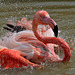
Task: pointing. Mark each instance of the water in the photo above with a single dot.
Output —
(63, 12)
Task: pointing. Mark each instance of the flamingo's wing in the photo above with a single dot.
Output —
(13, 59)
(13, 28)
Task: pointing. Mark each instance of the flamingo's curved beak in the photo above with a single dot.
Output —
(55, 30)
(52, 24)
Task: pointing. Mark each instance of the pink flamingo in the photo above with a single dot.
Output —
(44, 18)
(38, 54)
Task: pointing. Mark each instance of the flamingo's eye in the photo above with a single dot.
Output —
(45, 18)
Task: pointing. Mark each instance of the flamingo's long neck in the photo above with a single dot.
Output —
(54, 40)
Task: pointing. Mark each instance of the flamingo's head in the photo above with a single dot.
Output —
(42, 17)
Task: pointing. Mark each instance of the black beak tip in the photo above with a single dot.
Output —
(55, 30)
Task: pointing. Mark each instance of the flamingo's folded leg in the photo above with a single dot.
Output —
(13, 59)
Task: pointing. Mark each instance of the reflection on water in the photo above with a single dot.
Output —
(62, 12)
